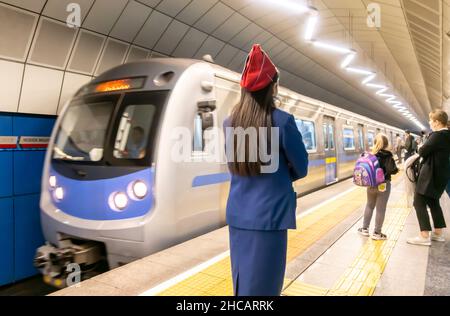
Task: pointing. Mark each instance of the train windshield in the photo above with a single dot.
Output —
(112, 130)
(83, 131)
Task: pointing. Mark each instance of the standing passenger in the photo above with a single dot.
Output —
(409, 145)
(378, 197)
(399, 148)
(432, 180)
(261, 206)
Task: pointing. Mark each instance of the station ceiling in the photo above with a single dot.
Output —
(410, 51)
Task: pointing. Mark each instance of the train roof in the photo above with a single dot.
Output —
(156, 66)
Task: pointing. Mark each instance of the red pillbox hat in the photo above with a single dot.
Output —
(259, 70)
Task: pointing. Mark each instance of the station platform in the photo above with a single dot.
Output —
(326, 256)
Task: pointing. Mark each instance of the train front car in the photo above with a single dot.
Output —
(103, 195)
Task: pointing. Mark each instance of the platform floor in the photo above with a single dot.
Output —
(326, 256)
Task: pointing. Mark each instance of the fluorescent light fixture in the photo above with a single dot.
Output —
(392, 100)
(399, 105)
(360, 71)
(383, 90)
(378, 86)
(390, 96)
(331, 47)
(348, 60)
(369, 79)
(289, 5)
(311, 25)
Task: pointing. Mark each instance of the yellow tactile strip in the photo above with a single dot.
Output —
(216, 280)
(363, 275)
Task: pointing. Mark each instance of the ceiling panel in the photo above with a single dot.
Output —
(52, 44)
(16, 29)
(113, 55)
(172, 7)
(214, 18)
(231, 27)
(57, 9)
(195, 10)
(35, 5)
(131, 21)
(211, 46)
(171, 37)
(190, 44)
(136, 54)
(104, 14)
(153, 29)
(86, 52)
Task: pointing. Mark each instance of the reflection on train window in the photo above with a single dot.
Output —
(308, 131)
(205, 136)
(371, 139)
(198, 134)
(331, 135)
(82, 133)
(349, 139)
(325, 137)
(361, 137)
(133, 134)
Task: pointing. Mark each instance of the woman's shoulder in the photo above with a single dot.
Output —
(280, 117)
(384, 154)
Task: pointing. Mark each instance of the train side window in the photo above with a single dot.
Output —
(198, 134)
(331, 135)
(326, 144)
(349, 138)
(133, 133)
(361, 137)
(371, 139)
(204, 123)
(308, 131)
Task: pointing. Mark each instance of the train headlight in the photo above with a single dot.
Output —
(140, 189)
(52, 182)
(120, 200)
(59, 193)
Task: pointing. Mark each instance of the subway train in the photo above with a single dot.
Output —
(112, 186)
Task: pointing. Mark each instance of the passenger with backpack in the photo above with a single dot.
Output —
(374, 171)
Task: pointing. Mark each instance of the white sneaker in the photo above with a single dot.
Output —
(439, 238)
(420, 241)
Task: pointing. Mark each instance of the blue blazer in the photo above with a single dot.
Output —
(268, 202)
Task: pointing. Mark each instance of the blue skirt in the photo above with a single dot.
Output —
(258, 261)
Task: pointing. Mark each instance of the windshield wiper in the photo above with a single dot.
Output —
(62, 155)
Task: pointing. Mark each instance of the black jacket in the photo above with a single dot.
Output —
(409, 146)
(434, 173)
(387, 163)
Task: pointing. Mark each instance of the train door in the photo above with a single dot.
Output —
(330, 150)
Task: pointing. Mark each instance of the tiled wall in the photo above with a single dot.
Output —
(20, 182)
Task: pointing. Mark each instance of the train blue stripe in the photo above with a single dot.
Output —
(217, 178)
(211, 179)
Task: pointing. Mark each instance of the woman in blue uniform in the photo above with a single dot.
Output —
(262, 203)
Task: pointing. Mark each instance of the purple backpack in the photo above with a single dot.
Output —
(368, 172)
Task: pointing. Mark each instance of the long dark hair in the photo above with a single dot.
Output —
(254, 110)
